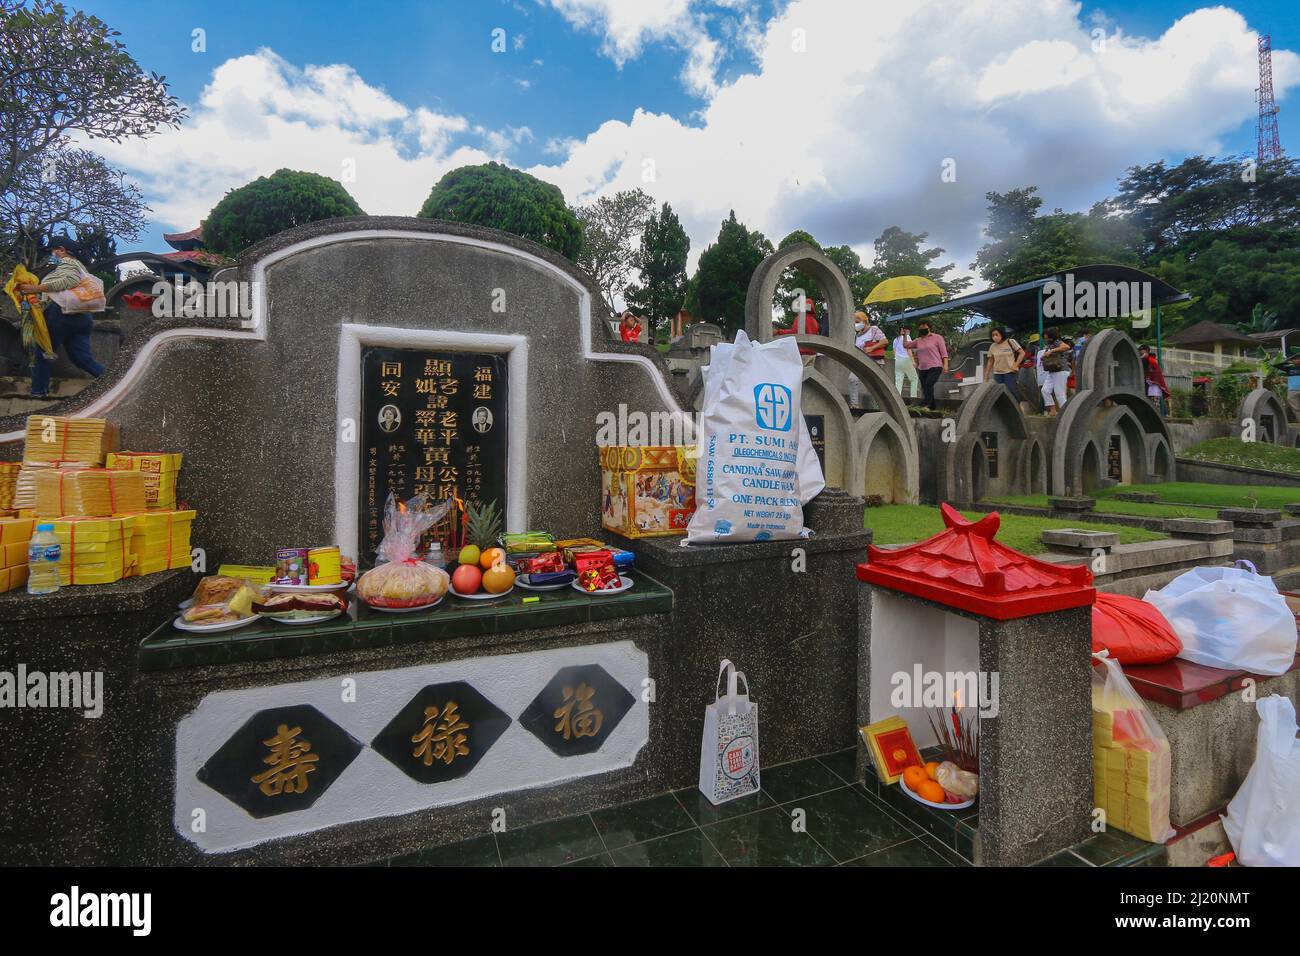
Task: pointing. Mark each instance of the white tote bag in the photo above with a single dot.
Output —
(1263, 819)
(729, 748)
(757, 467)
(1230, 618)
(85, 296)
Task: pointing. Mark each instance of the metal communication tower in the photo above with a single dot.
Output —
(1268, 145)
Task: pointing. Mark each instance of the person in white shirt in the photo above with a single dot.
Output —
(904, 367)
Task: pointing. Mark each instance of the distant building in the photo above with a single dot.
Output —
(1216, 339)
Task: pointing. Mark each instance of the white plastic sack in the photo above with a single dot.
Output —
(729, 747)
(1230, 618)
(1263, 819)
(757, 466)
(86, 296)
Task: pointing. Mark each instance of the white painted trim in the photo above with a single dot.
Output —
(261, 317)
(347, 455)
(110, 399)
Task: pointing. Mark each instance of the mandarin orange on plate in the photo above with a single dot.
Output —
(932, 770)
(913, 777)
(930, 790)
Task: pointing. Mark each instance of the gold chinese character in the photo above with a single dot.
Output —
(442, 741)
(483, 391)
(450, 386)
(586, 720)
(437, 367)
(483, 373)
(390, 389)
(390, 368)
(426, 386)
(290, 761)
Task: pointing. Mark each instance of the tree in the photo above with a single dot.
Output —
(793, 281)
(507, 199)
(899, 253)
(661, 261)
(611, 228)
(272, 204)
(96, 245)
(861, 279)
(64, 75)
(717, 290)
(1055, 243)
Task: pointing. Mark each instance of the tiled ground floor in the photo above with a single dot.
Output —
(845, 823)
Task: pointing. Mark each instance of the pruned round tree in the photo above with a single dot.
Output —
(271, 204)
(502, 198)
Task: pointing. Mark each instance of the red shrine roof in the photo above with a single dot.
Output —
(200, 256)
(185, 240)
(964, 567)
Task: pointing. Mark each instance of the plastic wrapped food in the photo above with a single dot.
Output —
(958, 782)
(219, 600)
(401, 579)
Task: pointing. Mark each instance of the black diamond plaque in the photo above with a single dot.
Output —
(442, 732)
(577, 710)
(281, 760)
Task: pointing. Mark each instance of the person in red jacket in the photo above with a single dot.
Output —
(805, 324)
(629, 328)
(1155, 379)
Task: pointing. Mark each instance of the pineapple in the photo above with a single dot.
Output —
(483, 525)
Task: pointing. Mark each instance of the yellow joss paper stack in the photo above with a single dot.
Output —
(8, 481)
(1130, 771)
(95, 492)
(58, 438)
(159, 469)
(15, 533)
(93, 550)
(160, 540)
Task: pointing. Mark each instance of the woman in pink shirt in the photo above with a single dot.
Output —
(931, 359)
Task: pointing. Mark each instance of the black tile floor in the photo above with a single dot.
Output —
(844, 823)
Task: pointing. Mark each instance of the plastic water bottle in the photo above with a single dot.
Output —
(43, 555)
(435, 556)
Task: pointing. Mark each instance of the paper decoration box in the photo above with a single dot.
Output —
(892, 748)
(647, 491)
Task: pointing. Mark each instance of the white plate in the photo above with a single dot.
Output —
(401, 610)
(303, 620)
(931, 803)
(483, 595)
(183, 625)
(625, 586)
(541, 587)
(186, 603)
(307, 588)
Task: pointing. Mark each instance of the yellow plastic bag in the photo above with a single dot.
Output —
(40, 332)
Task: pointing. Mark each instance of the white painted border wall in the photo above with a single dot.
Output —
(373, 787)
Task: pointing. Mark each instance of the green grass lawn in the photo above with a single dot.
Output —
(1211, 495)
(901, 524)
(1110, 506)
(1253, 454)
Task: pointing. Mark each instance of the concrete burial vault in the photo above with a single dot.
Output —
(877, 454)
(1266, 414)
(268, 409)
(988, 450)
(1109, 433)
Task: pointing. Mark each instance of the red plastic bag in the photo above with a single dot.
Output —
(1132, 630)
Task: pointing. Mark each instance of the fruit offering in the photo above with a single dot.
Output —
(482, 567)
(940, 782)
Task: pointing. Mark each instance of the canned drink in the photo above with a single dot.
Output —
(324, 566)
(290, 566)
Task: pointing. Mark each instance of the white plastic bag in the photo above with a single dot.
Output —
(1230, 618)
(757, 465)
(85, 296)
(729, 747)
(1263, 819)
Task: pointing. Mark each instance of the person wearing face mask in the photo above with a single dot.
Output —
(931, 359)
(70, 331)
(868, 338)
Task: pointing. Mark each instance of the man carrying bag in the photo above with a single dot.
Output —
(69, 294)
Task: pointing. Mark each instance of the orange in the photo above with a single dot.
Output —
(931, 791)
(490, 556)
(913, 777)
(932, 770)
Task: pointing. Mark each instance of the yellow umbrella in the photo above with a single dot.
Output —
(902, 287)
(39, 330)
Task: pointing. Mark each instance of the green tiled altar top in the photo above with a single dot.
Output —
(362, 627)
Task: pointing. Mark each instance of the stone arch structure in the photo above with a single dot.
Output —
(1109, 427)
(822, 401)
(1269, 415)
(990, 417)
(837, 358)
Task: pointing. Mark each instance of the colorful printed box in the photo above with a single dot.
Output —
(647, 491)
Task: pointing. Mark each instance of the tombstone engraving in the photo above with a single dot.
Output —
(1115, 458)
(990, 440)
(817, 432)
(431, 422)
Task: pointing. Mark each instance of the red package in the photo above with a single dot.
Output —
(596, 571)
(1134, 631)
(550, 563)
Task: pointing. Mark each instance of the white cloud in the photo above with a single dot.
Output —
(260, 113)
(850, 136)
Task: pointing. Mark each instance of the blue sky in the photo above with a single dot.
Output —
(840, 141)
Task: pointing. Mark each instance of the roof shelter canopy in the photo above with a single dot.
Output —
(1017, 306)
